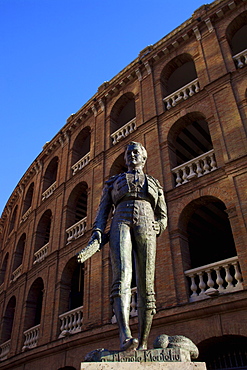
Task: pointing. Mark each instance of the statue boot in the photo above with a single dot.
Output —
(121, 306)
(145, 318)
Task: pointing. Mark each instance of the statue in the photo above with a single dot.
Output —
(139, 217)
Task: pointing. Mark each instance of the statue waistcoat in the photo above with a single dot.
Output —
(122, 188)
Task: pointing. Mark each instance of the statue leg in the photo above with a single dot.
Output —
(145, 318)
(121, 306)
(145, 251)
(121, 250)
(146, 311)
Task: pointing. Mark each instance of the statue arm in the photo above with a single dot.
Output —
(98, 239)
(103, 211)
(161, 211)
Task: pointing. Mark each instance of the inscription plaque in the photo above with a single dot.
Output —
(152, 355)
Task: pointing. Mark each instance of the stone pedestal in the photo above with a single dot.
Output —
(143, 366)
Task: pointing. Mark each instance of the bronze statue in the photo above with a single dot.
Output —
(139, 217)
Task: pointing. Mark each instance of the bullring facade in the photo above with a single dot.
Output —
(185, 100)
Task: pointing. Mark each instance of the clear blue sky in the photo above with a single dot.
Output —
(54, 56)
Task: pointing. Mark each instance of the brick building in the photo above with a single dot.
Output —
(185, 99)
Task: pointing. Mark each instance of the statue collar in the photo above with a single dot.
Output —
(138, 171)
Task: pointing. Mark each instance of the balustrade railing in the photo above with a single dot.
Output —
(31, 337)
(124, 131)
(48, 192)
(241, 59)
(71, 322)
(81, 163)
(4, 350)
(181, 94)
(196, 167)
(26, 214)
(17, 273)
(40, 255)
(213, 279)
(77, 230)
(133, 305)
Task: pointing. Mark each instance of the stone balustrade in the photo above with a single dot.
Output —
(40, 255)
(26, 214)
(71, 322)
(31, 337)
(241, 59)
(181, 94)
(133, 305)
(48, 192)
(77, 230)
(80, 164)
(4, 350)
(124, 131)
(196, 167)
(214, 279)
(17, 273)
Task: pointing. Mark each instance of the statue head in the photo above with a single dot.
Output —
(135, 155)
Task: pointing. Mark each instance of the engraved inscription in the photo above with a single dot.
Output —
(154, 355)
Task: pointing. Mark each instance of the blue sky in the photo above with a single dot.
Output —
(54, 56)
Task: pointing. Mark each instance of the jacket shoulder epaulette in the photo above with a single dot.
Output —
(155, 181)
(111, 180)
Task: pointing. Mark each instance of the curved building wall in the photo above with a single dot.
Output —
(184, 98)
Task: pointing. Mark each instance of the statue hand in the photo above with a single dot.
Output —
(96, 235)
(156, 227)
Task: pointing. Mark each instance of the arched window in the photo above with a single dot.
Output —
(209, 233)
(81, 150)
(42, 237)
(226, 352)
(191, 149)
(18, 256)
(8, 319)
(33, 311)
(71, 298)
(4, 268)
(72, 283)
(123, 116)
(81, 207)
(77, 212)
(49, 180)
(77, 287)
(6, 329)
(209, 250)
(28, 199)
(236, 35)
(179, 80)
(13, 220)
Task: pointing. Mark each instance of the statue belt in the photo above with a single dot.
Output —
(132, 199)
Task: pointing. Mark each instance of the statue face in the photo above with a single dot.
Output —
(134, 157)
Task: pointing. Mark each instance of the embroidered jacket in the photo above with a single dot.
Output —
(116, 189)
